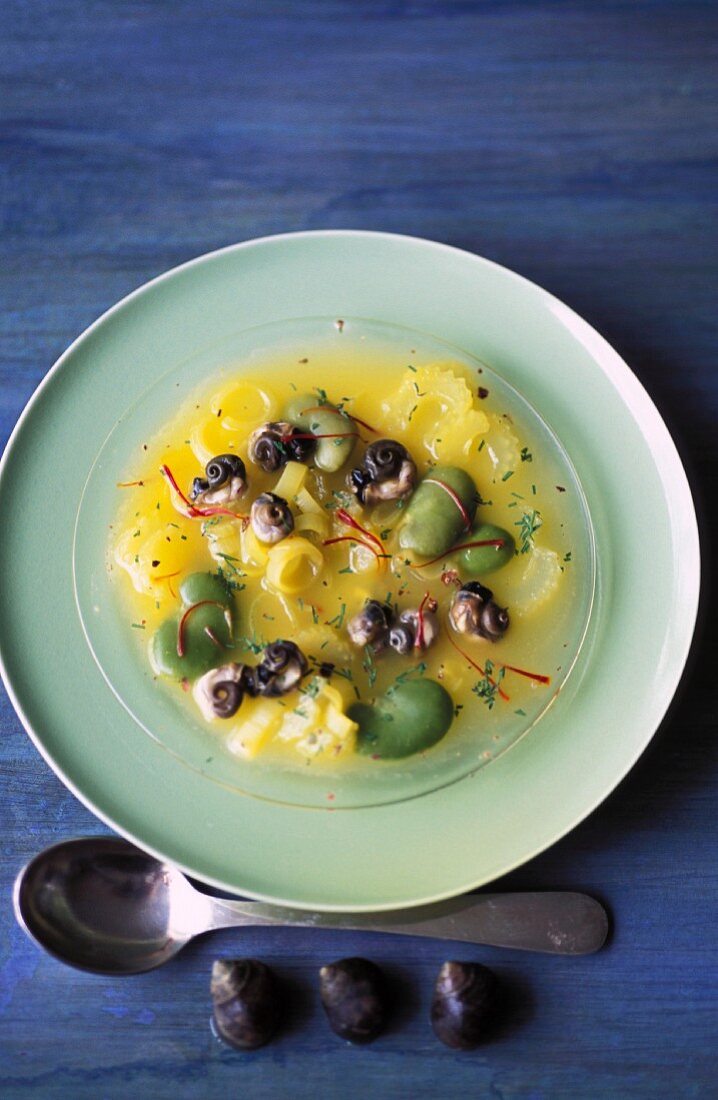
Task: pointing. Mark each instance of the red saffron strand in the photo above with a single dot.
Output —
(349, 520)
(454, 496)
(477, 666)
(419, 642)
(538, 676)
(183, 621)
(462, 546)
(192, 510)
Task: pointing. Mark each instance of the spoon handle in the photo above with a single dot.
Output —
(555, 922)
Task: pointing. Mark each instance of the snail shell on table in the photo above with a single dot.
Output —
(246, 1002)
(463, 999)
(353, 993)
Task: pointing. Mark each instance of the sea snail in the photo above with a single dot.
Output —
(220, 691)
(388, 472)
(275, 444)
(282, 666)
(463, 999)
(271, 518)
(371, 625)
(474, 611)
(225, 480)
(246, 1002)
(353, 995)
(415, 630)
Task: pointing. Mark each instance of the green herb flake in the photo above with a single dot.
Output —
(412, 413)
(528, 526)
(338, 619)
(139, 626)
(346, 569)
(409, 367)
(567, 557)
(482, 444)
(533, 490)
(385, 533)
(526, 455)
(369, 666)
(521, 712)
(507, 475)
(315, 615)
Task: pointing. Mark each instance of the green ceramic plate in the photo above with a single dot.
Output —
(452, 838)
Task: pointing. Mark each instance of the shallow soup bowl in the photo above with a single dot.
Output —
(144, 771)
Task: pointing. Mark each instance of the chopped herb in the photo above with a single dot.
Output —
(183, 538)
(528, 526)
(487, 690)
(482, 444)
(137, 532)
(533, 490)
(369, 666)
(139, 626)
(567, 557)
(521, 712)
(457, 708)
(230, 583)
(173, 525)
(507, 475)
(561, 489)
(385, 533)
(345, 673)
(315, 616)
(417, 670)
(526, 455)
(412, 413)
(322, 398)
(518, 496)
(291, 383)
(409, 366)
(346, 569)
(338, 619)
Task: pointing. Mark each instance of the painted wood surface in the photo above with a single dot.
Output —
(573, 141)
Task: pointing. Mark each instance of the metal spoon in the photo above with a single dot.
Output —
(103, 905)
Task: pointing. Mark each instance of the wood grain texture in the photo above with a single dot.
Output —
(575, 142)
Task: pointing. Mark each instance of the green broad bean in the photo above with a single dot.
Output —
(480, 560)
(409, 718)
(202, 650)
(433, 521)
(205, 586)
(324, 420)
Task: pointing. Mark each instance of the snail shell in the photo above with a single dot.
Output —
(463, 999)
(353, 993)
(246, 1002)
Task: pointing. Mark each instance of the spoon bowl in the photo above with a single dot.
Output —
(100, 904)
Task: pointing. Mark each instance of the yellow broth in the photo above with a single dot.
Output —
(451, 413)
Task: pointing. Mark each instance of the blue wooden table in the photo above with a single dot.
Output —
(573, 141)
